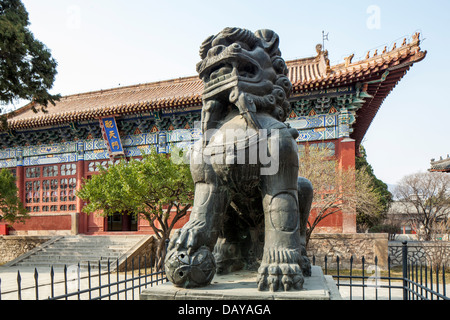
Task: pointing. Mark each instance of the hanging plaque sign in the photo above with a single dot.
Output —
(111, 136)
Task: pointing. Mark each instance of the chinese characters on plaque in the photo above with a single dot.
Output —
(111, 136)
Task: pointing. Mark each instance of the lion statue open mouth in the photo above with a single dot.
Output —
(250, 207)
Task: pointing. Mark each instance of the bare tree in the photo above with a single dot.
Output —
(336, 189)
(437, 253)
(425, 197)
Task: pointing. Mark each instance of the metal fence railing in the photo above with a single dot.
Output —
(91, 282)
(411, 281)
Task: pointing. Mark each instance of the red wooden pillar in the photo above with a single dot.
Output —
(20, 182)
(20, 175)
(346, 153)
(346, 159)
(82, 217)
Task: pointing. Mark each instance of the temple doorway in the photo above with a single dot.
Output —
(121, 222)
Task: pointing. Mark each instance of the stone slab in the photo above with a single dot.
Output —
(241, 285)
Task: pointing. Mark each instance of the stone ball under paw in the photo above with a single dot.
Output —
(190, 271)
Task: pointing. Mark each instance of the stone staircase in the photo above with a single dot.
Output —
(70, 250)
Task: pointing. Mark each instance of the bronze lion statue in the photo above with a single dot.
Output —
(250, 207)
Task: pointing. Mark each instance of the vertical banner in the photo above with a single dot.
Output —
(111, 136)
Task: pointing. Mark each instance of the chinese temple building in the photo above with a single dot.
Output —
(51, 153)
(441, 165)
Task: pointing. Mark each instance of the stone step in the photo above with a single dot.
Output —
(74, 257)
(93, 262)
(71, 250)
(88, 248)
(100, 238)
(98, 242)
(96, 249)
(83, 264)
(94, 244)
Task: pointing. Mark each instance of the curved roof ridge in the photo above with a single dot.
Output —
(305, 74)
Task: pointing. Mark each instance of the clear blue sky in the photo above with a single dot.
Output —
(106, 43)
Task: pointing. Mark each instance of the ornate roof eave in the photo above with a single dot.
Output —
(365, 70)
(93, 113)
(377, 75)
(380, 88)
(369, 72)
(441, 165)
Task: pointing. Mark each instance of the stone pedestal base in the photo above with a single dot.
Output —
(241, 285)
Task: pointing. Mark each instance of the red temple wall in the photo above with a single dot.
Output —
(40, 223)
(91, 224)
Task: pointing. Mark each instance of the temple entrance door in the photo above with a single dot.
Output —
(121, 222)
(115, 222)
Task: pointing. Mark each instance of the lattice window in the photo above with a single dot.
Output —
(68, 169)
(33, 172)
(36, 191)
(72, 188)
(63, 188)
(51, 188)
(28, 192)
(50, 171)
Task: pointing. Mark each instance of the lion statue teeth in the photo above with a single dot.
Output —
(250, 207)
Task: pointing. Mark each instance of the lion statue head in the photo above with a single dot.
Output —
(239, 62)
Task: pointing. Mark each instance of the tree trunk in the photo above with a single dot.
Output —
(161, 251)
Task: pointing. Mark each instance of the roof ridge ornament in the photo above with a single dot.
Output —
(415, 38)
(349, 59)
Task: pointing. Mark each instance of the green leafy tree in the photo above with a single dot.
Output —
(27, 69)
(155, 187)
(368, 219)
(11, 208)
